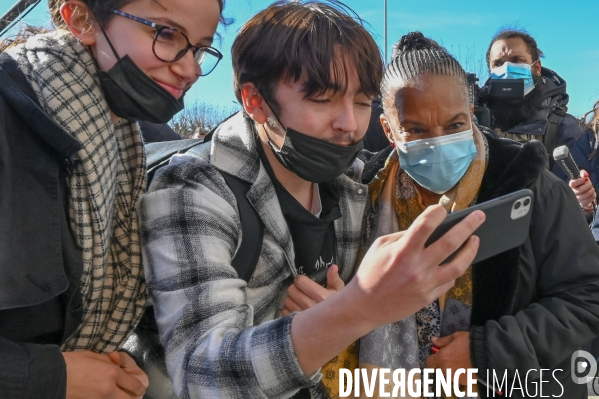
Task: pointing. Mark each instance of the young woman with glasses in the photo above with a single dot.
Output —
(72, 167)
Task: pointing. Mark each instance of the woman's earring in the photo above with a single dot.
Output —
(392, 144)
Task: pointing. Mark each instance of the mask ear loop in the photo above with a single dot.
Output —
(391, 142)
(270, 141)
(109, 44)
(533, 80)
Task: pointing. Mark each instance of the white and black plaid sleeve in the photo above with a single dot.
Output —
(190, 228)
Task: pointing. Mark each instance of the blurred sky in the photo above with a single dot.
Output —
(566, 31)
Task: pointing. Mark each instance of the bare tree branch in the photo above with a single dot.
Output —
(199, 118)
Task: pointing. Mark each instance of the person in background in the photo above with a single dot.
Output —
(490, 319)
(71, 277)
(543, 112)
(305, 74)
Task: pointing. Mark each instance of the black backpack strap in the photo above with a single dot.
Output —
(159, 154)
(551, 136)
(252, 229)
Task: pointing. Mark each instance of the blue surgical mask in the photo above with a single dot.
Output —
(510, 70)
(439, 163)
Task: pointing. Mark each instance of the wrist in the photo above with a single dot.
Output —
(357, 306)
(336, 321)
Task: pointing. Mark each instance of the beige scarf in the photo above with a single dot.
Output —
(104, 188)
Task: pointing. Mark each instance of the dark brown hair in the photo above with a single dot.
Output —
(101, 10)
(317, 39)
(531, 44)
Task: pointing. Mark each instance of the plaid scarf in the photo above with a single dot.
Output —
(104, 187)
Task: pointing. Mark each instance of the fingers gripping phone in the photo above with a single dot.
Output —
(505, 227)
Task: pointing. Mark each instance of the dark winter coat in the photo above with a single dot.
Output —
(571, 133)
(40, 267)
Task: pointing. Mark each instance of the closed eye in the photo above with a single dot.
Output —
(455, 126)
(416, 130)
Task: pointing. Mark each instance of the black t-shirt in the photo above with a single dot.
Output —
(313, 237)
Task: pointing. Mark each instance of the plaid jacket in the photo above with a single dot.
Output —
(224, 338)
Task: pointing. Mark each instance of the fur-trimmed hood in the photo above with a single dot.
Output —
(512, 166)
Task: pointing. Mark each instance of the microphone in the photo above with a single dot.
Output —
(564, 159)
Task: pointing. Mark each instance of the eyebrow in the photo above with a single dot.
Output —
(509, 57)
(458, 116)
(409, 122)
(416, 123)
(172, 24)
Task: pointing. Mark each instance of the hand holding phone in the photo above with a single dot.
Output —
(506, 225)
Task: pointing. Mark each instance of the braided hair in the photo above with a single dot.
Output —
(413, 56)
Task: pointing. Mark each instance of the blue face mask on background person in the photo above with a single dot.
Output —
(510, 70)
(439, 163)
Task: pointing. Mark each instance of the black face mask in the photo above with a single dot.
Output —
(133, 95)
(312, 159)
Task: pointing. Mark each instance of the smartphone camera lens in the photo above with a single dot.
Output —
(517, 205)
(527, 202)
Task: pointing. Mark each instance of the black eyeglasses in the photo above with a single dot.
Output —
(170, 45)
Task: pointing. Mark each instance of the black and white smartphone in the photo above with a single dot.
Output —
(506, 225)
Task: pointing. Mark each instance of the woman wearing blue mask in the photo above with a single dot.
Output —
(72, 168)
(489, 319)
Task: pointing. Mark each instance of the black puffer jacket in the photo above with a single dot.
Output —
(571, 133)
(535, 305)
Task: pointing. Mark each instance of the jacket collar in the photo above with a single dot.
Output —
(233, 150)
(18, 93)
(554, 88)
